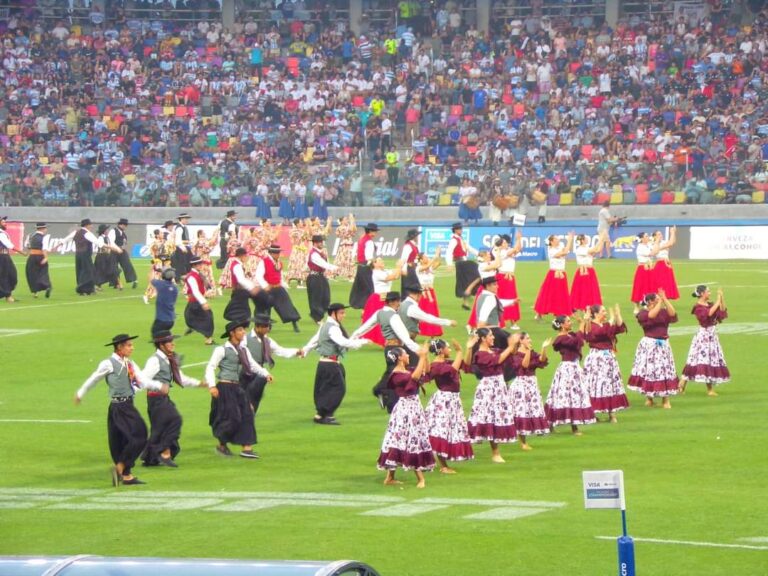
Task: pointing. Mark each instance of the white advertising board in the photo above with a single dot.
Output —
(603, 489)
(729, 243)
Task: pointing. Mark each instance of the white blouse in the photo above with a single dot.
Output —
(556, 263)
(643, 253)
(507, 261)
(426, 277)
(583, 258)
(380, 283)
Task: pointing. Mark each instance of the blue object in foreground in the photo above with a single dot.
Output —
(86, 565)
(626, 556)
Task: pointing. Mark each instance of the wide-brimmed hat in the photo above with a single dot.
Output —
(335, 307)
(183, 215)
(317, 238)
(412, 289)
(262, 320)
(120, 338)
(457, 226)
(412, 233)
(231, 213)
(83, 223)
(274, 249)
(40, 225)
(168, 223)
(372, 227)
(163, 336)
(102, 228)
(195, 261)
(122, 221)
(489, 280)
(235, 324)
(392, 297)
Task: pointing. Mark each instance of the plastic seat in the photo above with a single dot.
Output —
(566, 199)
(617, 197)
(758, 197)
(667, 197)
(679, 197)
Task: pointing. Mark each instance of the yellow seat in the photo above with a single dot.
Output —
(758, 197)
(451, 189)
(444, 199)
(169, 110)
(679, 197)
(617, 196)
(617, 189)
(566, 199)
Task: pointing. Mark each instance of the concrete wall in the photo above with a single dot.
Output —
(415, 215)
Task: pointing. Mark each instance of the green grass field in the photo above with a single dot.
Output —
(694, 474)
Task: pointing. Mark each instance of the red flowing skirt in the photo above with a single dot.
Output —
(643, 283)
(508, 291)
(664, 277)
(553, 296)
(585, 289)
(374, 303)
(428, 303)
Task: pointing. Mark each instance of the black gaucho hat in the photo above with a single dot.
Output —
(335, 307)
(85, 222)
(163, 336)
(412, 233)
(318, 238)
(231, 213)
(123, 222)
(392, 297)
(457, 226)
(372, 227)
(262, 320)
(235, 324)
(488, 280)
(120, 338)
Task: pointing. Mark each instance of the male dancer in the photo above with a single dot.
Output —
(318, 289)
(362, 287)
(269, 277)
(466, 270)
(183, 243)
(239, 309)
(8, 275)
(197, 314)
(226, 226)
(119, 238)
(38, 278)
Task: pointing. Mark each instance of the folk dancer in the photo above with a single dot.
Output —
(239, 309)
(409, 260)
(300, 238)
(318, 288)
(345, 253)
(105, 266)
(119, 238)
(164, 418)
(506, 255)
(362, 287)
(269, 276)
(183, 242)
(85, 242)
(585, 288)
(466, 270)
(198, 315)
(331, 342)
(39, 246)
(530, 417)
(663, 273)
(425, 269)
(231, 416)
(202, 249)
(382, 284)
(227, 226)
(8, 275)
(286, 202)
(643, 282)
(126, 429)
(161, 250)
(553, 297)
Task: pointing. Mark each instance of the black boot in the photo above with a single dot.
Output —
(295, 327)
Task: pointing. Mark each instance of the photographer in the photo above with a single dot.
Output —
(604, 223)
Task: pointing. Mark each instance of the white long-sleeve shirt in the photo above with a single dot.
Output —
(397, 327)
(274, 348)
(335, 334)
(218, 355)
(192, 288)
(452, 246)
(5, 241)
(242, 280)
(418, 314)
(407, 249)
(488, 306)
(152, 367)
(318, 260)
(90, 236)
(105, 367)
(177, 239)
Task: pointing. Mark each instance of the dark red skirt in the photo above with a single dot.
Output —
(664, 277)
(374, 303)
(585, 289)
(428, 303)
(553, 296)
(508, 291)
(643, 283)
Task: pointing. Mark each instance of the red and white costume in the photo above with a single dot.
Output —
(554, 297)
(428, 302)
(664, 275)
(585, 289)
(643, 282)
(375, 303)
(505, 276)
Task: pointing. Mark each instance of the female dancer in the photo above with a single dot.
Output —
(553, 295)
(643, 282)
(469, 208)
(505, 276)
(447, 425)
(253, 243)
(225, 280)
(602, 375)
(345, 254)
(300, 211)
(382, 283)
(319, 208)
(486, 267)
(492, 417)
(286, 206)
(297, 261)
(706, 362)
(524, 394)
(263, 209)
(202, 249)
(568, 399)
(653, 372)
(585, 289)
(161, 250)
(663, 273)
(425, 270)
(406, 442)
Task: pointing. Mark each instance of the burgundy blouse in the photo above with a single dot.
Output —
(535, 363)
(701, 311)
(603, 337)
(487, 364)
(569, 346)
(446, 377)
(657, 328)
(403, 384)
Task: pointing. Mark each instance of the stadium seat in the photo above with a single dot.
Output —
(456, 110)
(444, 199)
(758, 197)
(617, 188)
(566, 199)
(602, 197)
(641, 194)
(667, 197)
(679, 197)
(654, 197)
(169, 110)
(630, 197)
(641, 188)
(617, 197)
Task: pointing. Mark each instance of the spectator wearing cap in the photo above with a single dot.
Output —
(85, 243)
(331, 342)
(227, 227)
(165, 421)
(362, 287)
(318, 289)
(269, 277)
(231, 415)
(39, 244)
(263, 349)
(198, 315)
(126, 429)
(8, 274)
(119, 238)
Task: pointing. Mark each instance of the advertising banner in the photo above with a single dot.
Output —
(15, 231)
(431, 238)
(603, 489)
(729, 243)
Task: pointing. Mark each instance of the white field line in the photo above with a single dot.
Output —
(758, 540)
(11, 332)
(690, 543)
(24, 421)
(87, 300)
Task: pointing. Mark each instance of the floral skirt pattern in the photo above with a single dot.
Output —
(653, 372)
(602, 377)
(406, 442)
(568, 399)
(706, 362)
(527, 406)
(345, 260)
(492, 417)
(447, 426)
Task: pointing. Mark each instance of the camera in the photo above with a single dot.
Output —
(621, 221)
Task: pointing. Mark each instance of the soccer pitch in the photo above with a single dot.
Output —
(695, 475)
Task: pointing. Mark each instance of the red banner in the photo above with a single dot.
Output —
(16, 231)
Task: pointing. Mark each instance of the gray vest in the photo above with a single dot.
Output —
(385, 315)
(410, 324)
(493, 317)
(118, 381)
(256, 349)
(326, 346)
(164, 375)
(229, 367)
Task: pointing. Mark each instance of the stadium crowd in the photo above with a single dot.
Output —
(143, 112)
